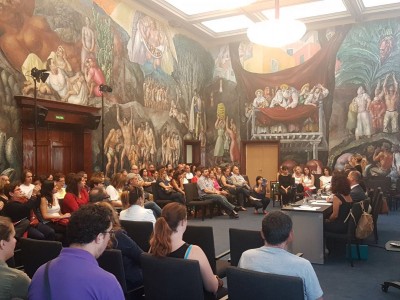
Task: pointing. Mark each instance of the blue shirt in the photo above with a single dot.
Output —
(75, 274)
(279, 261)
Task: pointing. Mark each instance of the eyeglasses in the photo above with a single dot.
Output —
(111, 232)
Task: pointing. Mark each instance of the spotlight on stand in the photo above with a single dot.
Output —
(105, 88)
(39, 75)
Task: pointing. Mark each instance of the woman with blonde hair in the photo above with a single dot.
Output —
(167, 241)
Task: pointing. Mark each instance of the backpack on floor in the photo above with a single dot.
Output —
(365, 226)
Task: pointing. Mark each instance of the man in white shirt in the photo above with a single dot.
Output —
(273, 257)
(136, 211)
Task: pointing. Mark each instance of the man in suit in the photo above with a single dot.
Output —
(357, 193)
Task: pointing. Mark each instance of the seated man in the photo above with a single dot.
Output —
(273, 257)
(206, 190)
(89, 232)
(357, 193)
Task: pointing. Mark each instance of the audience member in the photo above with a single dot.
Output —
(76, 195)
(341, 206)
(227, 184)
(59, 185)
(177, 182)
(308, 180)
(259, 195)
(75, 273)
(98, 194)
(27, 188)
(167, 241)
(273, 257)
(134, 184)
(207, 191)
(131, 252)
(14, 283)
(165, 190)
(357, 193)
(133, 202)
(239, 182)
(114, 190)
(325, 180)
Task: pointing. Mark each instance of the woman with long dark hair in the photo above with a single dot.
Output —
(76, 195)
(259, 193)
(167, 240)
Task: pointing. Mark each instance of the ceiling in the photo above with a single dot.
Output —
(222, 26)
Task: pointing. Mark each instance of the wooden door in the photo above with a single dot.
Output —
(261, 159)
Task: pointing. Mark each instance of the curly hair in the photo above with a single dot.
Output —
(87, 222)
(171, 215)
(340, 184)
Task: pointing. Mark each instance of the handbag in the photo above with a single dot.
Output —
(33, 220)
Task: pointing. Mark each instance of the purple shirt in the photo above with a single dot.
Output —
(75, 274)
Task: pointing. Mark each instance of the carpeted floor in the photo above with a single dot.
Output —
(337, 278)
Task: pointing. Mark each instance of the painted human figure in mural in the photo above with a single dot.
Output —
(57, 80)
(128, 134)
(88, 43)
(219, 143)
(112, 144)
(259, 101)
(61, 60)
(377, 109)
(317, 93)
(383, 158)
(391, 100)
(234, 148)
(149, 143)
(304, 93)
(395, 170)
(77, 91)
(351, 123)
(363, 101)
(195, 115)
(140, 141)
(94, 77)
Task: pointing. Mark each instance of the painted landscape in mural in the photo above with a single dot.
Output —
(167, 88)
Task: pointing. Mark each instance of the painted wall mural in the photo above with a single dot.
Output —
(168, 87)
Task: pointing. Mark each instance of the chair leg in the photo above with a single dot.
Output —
(358, 251)
(203, 210)
(350, 254)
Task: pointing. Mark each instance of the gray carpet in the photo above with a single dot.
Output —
(337, 278)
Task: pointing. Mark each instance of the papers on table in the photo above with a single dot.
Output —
(321, 202)
(306, 207)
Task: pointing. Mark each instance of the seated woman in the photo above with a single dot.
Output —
(114, 190)
(177, 182)
(147, 180)
(341, 204)
(196, 176)
(165, 190)
(286, 182)
(308, 180)
(131, 252)
(259, 193)
(325, 180)
(76, 195)
(14, 283)
(167, 241)
(50, 211)
(132, 202)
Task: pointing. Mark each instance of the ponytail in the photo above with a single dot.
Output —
(160, 241)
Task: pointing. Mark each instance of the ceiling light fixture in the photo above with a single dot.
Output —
(276, 32)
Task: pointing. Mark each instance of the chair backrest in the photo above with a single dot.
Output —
(274, 187)
(203, 237)
(171, 278)
(375, 182)
(140, 232)
(111, 261)
(377, 206)
(191, 191)
(35, 253)
(241, 240)
(247, 284)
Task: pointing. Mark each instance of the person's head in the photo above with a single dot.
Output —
(90, 227)
(204, 172)
(173, 220)
(340, 184)
(284, 170)
(27, 177)
(307, 172)
(98, 194)
(14, 192)
(116, 225)
(298, 170)
(143, 172)
(277, 228)
(59, 180)
(226, 170)
(187, 169)
(47, 190)
(152, 168)
(354, 177)
(118, 180)
(96, 181)
(162, 173)
(177, 175)
(4, 179)
(7, 239)
(235, 170)
(124, 172)
(135, 169)
(155, 174)
(84, 177)
(327, 171)
(259, 180)
(75, 184)
(360, 90)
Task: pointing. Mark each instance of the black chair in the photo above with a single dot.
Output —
(384, 183)
(172, 278)
(140, 232)
(241, 240)
(35, 253)
(193, 199)
(203, 237)
(156, 197)
(274, 192)
(247, 284)
(111, 261)
(350, 236)
(376, 209)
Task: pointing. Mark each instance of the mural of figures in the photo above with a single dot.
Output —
(377, 109)
(220, 127)
(362, 101)
(112, 146)
(88, 43)
(234, 151)
(128, 134)
(390, 120)
(195, 115)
